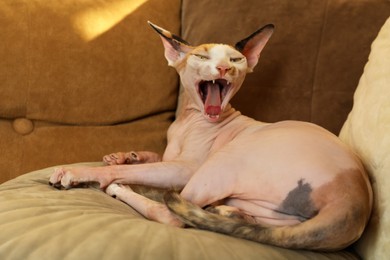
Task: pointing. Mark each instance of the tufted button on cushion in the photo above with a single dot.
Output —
(23, 126)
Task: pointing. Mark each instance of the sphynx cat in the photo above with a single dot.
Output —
(290, 184)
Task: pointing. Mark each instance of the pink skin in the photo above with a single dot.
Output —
(131, 158)
(252, 166)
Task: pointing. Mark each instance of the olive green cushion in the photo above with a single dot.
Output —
(38, 221)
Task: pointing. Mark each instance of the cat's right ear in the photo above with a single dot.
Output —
(252, 46)
(175, 47)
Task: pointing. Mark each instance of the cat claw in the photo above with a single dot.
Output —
(58, 186)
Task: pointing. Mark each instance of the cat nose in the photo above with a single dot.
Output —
(222, 69)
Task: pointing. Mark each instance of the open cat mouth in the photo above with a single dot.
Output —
(212, 94)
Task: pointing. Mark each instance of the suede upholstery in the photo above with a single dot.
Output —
(367, 130)
(311, 65)
(80, 79)
(88, 78)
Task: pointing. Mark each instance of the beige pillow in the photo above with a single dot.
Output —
(367, 130)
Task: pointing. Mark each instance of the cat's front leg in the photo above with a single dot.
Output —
(68, 177)
(131, 158)
(171, 174)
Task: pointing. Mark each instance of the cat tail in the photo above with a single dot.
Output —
(327, 231)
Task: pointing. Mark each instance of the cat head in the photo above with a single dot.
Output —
(212, 73)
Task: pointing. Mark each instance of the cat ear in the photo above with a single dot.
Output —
(252, 46)
(175, 47)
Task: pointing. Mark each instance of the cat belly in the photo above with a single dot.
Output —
(271, 172)
(276, 214)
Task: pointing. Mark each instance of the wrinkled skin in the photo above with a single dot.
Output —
(280, 174)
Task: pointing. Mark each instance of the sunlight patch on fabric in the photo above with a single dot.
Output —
(96, 20)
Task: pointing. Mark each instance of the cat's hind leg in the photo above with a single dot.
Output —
(150, 209)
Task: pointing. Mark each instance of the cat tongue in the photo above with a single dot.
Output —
(213, 100)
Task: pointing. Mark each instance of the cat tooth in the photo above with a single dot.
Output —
(213, 81)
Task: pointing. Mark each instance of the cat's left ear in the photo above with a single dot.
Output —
(175, 47)
(252, 46)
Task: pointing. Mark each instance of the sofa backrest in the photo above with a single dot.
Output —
(310, 67)
(80, 79)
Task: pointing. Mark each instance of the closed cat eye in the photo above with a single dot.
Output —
(202, 57)
(236, 59)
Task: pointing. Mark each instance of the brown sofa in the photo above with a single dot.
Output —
(80, 79)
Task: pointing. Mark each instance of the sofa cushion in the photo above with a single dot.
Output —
(80, 79)
(367, 130)
(52, 144)
(38, 221)
(85, 62)
(310, 67)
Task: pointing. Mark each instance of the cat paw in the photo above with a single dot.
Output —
(62, 179)
(114, 189)
(121, 158)
(66, 178)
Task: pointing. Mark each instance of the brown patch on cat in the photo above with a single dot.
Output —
(346, 195)
(348, 185)
(230, 212)
(298, 202)
(205, 47)
(343, 213)
(179, 66)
